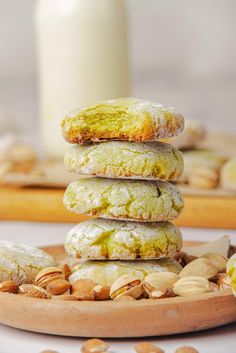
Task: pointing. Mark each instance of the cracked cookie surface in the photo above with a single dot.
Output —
(231, 271)
(122, 119)
(121, 159)
(143, 201)
(110, 239)
(21, 263)
(106, 272)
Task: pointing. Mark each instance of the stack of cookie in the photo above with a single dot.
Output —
(116, 141)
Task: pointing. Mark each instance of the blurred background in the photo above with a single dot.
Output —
(57, 55)
(181, 53)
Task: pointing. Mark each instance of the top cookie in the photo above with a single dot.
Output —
(122, 119)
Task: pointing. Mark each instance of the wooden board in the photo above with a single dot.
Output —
(139, 318)
(35, 204)
(46, 205)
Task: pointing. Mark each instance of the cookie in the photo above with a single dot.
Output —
(194, 133)
(121, 159)
(21, 263)
(108, 239)
(122, 119)
(228, 175)
(201, 159)
(143, 201)
(106, 272)
(231, 271)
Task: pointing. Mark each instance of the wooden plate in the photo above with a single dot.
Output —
(117, 319)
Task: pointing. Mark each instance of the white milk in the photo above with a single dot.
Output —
(83, 58)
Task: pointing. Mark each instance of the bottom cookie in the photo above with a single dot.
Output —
(106, 272)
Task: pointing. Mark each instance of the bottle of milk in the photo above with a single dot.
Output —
(82, 58)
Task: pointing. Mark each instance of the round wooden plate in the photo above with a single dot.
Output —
(139, 318)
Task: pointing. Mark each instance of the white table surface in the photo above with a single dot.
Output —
(12, 340)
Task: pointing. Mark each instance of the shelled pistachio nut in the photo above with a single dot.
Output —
(159, 284)
(58, 286)
(9, 287)
(68, 297)
(101, 292)
(65, 270)
(31, 290)
(95, 345)
(223, 281)
(82, 289)
(183, 258)
(218, 260)
(146, 347)
(47, 275)
(126, 285)
(192, 285)
(199, 267)
(214, 287)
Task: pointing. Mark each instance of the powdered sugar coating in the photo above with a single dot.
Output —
(106, 272)
(20, 262)
(129, 119)
(122, 159)
(142, 201)
(110, 239)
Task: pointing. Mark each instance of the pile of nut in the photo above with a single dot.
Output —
(96, 345)
(198, 275)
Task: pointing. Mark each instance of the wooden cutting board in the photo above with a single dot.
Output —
(213, 210)
(138, 318)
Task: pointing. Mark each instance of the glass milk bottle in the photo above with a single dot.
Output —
(82, 57)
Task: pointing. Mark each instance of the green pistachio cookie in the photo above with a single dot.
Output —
(109, 239)
(122, 119)
(228, 175)
(106, 272)
(21, 263)
(121, 159)
(194, 159)
(231, 271)
(124, 199)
